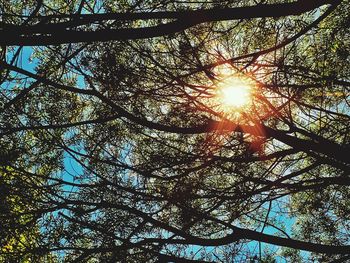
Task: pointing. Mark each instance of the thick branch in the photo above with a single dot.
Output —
(330, 149)
(61, 33)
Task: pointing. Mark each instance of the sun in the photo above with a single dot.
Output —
(235, 96)
(234, 93)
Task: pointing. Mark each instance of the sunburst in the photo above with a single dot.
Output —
(234, 94)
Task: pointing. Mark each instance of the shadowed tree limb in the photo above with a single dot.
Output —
(61, 33)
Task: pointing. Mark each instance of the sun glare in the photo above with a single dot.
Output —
(235, 93)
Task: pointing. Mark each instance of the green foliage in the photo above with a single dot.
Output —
(121, 151)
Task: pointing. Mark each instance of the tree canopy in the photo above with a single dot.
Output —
(175, 131)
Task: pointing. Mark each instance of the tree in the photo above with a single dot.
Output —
(164, 170)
